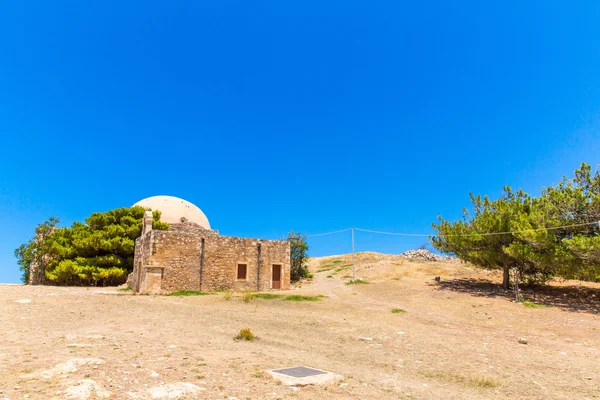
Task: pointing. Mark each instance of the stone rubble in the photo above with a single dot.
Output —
(174, 390)
(426, 255)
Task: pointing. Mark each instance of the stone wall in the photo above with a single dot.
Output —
(186, 267)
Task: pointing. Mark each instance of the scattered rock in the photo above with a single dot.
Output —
(23, 301)
(426, 255)
(154, 374)
(69, 366)
(174, 390)
(95, 336)
(522, 340)
(84, 389)
(365, 339)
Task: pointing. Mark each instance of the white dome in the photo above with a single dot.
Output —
(175, 210)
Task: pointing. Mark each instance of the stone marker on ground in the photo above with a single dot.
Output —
(302, 376)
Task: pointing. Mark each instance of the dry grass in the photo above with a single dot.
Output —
(452, 377)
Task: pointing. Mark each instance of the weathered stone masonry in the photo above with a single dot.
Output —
(189, 257)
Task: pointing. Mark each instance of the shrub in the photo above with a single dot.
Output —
(398, 311)
(245, 334)
(247, 296)
(228, 294)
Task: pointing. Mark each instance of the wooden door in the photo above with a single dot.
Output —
(276, 277)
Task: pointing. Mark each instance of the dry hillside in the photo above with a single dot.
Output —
(454, 340)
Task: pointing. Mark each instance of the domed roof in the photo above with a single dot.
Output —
(175, 210)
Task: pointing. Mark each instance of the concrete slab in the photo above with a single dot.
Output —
(303, 376)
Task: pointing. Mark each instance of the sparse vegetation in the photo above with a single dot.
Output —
(247, 296)
(267, 296)
(398, 311)
(228, 295)
(126, 289)
(531, 304)
(183, 293)
(245, 334)
(462, 379)
(357, 281)
(297, 297)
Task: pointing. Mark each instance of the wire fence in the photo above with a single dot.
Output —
(431, 235)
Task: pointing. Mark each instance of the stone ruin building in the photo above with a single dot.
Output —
(192, 256)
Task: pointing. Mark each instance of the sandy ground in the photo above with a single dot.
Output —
(456, 340)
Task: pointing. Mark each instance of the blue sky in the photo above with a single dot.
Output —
(273, 116)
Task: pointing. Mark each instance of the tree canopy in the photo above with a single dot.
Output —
(553, 235)
(298, 256)
(97, 252)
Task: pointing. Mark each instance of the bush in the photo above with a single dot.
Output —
(245, 334)
(398, 311)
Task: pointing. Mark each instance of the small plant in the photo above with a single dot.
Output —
(267, 296)
(245, 334)
(126, 289)
(531, 304)
(398, 311)
(187, 293)
(330, 276)
(357, 281)
(336, 261)
(228, 295)
(247, 296)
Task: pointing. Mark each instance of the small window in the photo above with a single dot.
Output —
(183, 220)
(241, 271)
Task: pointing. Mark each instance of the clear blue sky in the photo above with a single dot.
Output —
(273, 116)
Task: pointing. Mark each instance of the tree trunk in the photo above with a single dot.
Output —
(516, 273)
(506, 277)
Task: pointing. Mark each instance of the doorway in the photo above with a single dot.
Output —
(276, 277)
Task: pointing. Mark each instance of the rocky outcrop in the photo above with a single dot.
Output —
(425, 255)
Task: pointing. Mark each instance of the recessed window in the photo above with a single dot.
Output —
(183, 220)
(242, 269)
